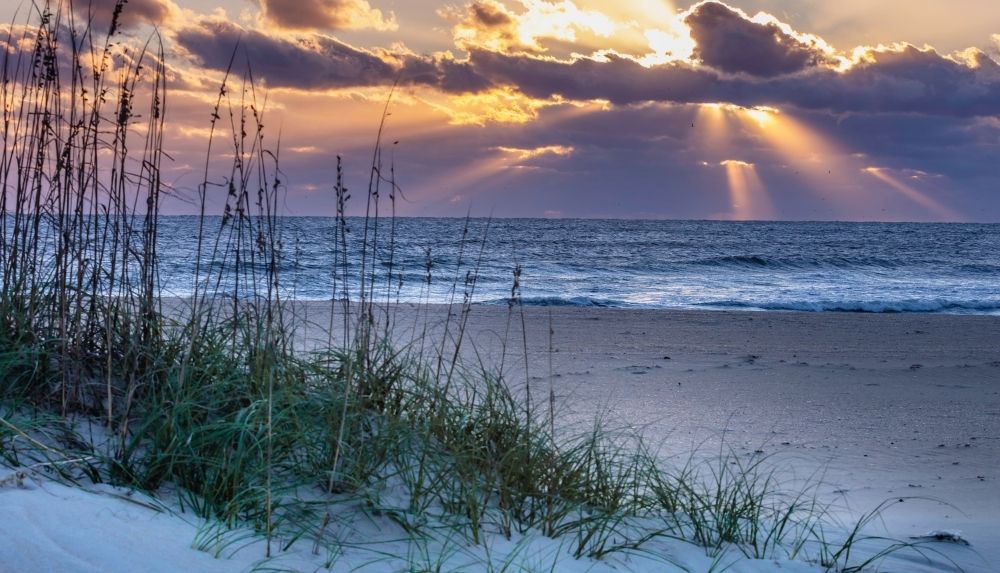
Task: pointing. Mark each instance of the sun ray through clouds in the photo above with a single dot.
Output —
(457, 185)
(504, 163)
(929, 203)
(712, 126)
(825, 167)
(748, 198)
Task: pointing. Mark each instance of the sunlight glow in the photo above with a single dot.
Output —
(522, 154)
(560, 21)
(763, 115)
(747, 196)
(498, 105)
(670, 45)
(642, 11)
(711, 123)
(808, 39)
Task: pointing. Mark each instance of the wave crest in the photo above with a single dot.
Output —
(575, 301)
(872, 306)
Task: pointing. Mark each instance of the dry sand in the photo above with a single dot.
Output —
(884, 405)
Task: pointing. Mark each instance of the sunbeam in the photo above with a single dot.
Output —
(711, 124)
(506, 162)
(913, 194)
(457, 184)
(828, 170)
(747, 196)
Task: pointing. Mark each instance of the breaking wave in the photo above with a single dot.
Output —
(874, 306)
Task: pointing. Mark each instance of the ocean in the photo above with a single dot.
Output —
(794, 266)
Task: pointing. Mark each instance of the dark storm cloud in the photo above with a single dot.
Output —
(320, 62)
(729, 42)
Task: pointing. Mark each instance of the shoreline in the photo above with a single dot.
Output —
(535, 306)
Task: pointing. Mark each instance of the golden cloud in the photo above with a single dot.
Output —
(327, 15)
(522, 154)
(500, 105)
(492, 25)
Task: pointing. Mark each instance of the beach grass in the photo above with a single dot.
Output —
(213, 397)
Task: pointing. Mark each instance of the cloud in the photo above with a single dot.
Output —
(901, 78)
(326, 14)
(500, 105)
(741, 60)
(491, 25)
(614, 78)
(727, 40)
(490, 14)
(541, 151)
(317, 61)
(897, 79)
(132, 13)
(484, 23)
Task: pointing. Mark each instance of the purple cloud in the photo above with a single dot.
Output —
(320, 62)
(131, 13)
(741, 62)
(727, 41)
(326, 14)
(898, 80)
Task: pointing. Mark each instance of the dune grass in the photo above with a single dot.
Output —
(213, 397)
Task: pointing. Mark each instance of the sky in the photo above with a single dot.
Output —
(747, 109)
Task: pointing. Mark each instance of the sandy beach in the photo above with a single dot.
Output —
(871, 407)
(877, 406)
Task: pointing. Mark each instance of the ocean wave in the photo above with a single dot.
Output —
(802, 262)
(575, 301)
(873, 306)
(983, 268)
